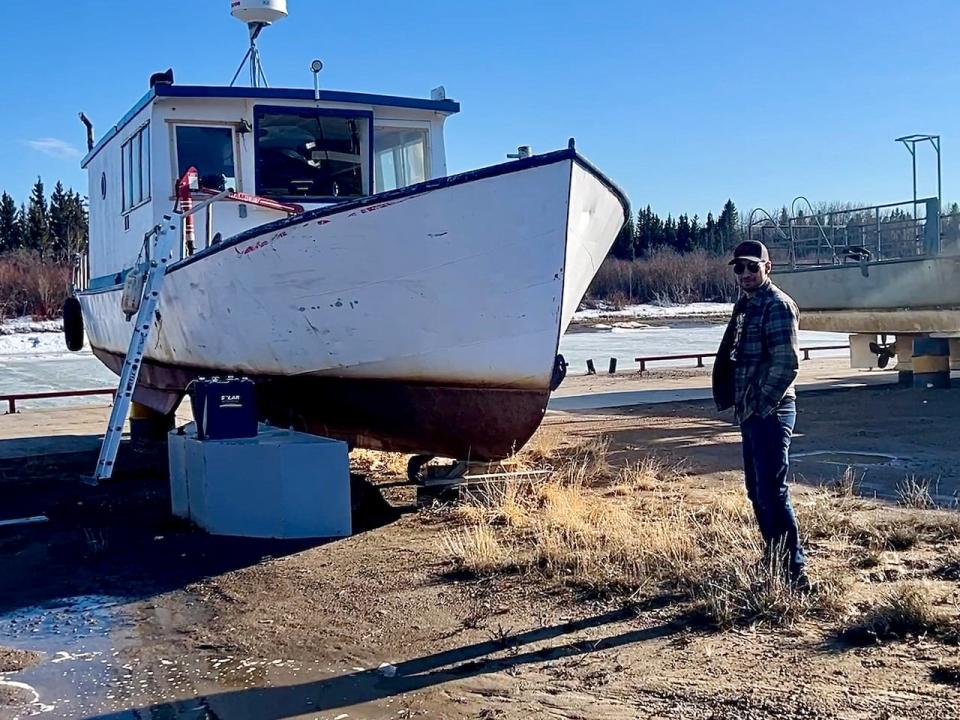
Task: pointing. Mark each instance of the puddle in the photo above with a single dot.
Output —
(850, 458)
(108, 658)
(76, 637)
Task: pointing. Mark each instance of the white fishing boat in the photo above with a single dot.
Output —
(371, 296)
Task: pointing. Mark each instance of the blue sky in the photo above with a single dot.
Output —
(683, 104)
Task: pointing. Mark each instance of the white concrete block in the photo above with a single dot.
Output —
(280, 484)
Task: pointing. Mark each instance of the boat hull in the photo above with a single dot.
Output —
(482, 423)
(906, 296)
(425, 320)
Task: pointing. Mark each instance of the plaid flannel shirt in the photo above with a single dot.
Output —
(765, 352)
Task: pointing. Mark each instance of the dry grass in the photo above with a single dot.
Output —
(29, 286)
(914, 492)
(376, 462)
(847, 484)
(631, 533)
(540, 452)
(948, 567)
(940, 526)
(641, 531)
(665, 277)
(905, 611)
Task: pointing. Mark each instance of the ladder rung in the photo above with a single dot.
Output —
(129, 373)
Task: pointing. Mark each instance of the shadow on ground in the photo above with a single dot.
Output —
(119, 538)
(412, 675)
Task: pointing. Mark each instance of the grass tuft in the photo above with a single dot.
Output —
(906, 611)
(914, 492)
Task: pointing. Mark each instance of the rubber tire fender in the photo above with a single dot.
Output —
(72, 324)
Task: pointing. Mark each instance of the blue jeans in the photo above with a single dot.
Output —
(766, 462)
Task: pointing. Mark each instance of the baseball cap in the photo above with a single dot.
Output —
(750, 250)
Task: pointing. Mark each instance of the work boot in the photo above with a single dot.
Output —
(800, 581)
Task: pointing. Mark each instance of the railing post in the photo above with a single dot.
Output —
(13, 405)
(699, 360)
(879, 245)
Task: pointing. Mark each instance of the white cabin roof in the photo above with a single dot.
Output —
(445, 107)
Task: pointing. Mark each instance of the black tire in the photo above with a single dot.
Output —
(72, 324)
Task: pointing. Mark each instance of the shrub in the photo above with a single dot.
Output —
(31, 286)
(665, 277)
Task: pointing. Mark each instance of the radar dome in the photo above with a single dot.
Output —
(258, 11)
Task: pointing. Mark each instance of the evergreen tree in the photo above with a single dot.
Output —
(59, 220)
(623, 246)
(728, 226)
(684, 243)
(38, 220)
(656, 230)
(79, 225)
(670, 232)
(10, 231)
(646, 232)
(710, 241)
(695, 232)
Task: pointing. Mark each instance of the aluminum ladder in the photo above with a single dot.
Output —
(163, 236)
(158, 256)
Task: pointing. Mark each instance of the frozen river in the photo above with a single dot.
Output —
(625, 344)
(34, 361)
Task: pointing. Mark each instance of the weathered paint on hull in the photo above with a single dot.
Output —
(482, 423)
(425, 322)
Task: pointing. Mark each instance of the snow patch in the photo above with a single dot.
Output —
(29, 325)
(34, 338)
(647, 311)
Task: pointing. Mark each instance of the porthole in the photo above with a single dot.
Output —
(103, 185)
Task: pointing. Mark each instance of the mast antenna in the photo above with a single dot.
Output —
(257, 14)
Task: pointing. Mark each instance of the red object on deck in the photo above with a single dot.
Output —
(291, 208)
(189, 182)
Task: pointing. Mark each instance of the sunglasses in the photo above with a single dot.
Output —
(739, 267)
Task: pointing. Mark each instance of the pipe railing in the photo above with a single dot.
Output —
(12, 399)
(700, 356)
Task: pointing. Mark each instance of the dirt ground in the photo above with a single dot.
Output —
(223, 628)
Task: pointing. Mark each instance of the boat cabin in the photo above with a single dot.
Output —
(307, 147)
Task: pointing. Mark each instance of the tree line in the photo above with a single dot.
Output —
(55, 230)
(648, 232)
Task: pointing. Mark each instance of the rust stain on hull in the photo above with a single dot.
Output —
(463, 422)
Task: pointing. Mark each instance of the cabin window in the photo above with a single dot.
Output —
(210, 150)
(312, 154)
(135, 165)
(400, 157)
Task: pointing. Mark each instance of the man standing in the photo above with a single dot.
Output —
(757, 365)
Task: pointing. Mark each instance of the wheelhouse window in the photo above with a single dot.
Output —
(210, 150)
(400, 157)
(135, 168)
(312, 154)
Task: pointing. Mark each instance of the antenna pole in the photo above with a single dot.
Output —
(257, 76)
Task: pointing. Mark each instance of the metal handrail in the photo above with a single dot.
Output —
(11, 399)
(700, 356)
(862, 234)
